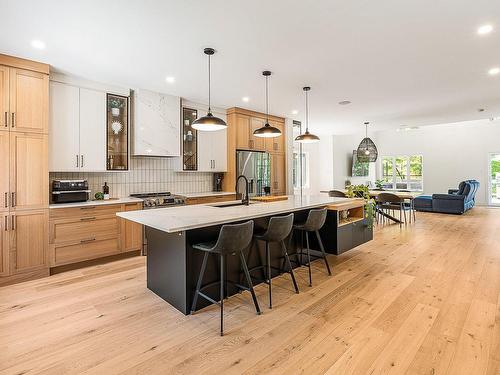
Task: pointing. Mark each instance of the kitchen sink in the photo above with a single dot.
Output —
(230, 204)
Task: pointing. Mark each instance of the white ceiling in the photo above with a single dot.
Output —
(401, 63)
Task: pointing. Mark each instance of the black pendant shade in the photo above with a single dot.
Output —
(367, 151)
(267, 131)
(307, 137)
(209, 122)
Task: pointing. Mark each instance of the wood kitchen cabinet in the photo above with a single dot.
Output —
(24, 196)
(4, 243)
(241, 125)
(77, 129)
(4, 171)
(84, 233)
(29, 101)
(29, 179)
(278, 174)
(132, 233)
(29, 240)
(4, 98)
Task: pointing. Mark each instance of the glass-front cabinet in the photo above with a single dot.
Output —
(189, 140)
(117, 119)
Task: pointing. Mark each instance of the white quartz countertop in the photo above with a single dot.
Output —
(180, 218)
(206, 194)
(96, 202)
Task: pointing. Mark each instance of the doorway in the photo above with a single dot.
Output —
(494, 180)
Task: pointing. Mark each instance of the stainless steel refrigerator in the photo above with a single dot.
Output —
(256, 167)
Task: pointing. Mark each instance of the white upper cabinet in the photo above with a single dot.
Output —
(156, 129)
(92, 130)
(64, 135)
(77, 136)
(212, 151)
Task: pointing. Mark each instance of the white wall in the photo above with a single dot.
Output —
(451, 152)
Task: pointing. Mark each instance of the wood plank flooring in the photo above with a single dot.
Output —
(424, 299)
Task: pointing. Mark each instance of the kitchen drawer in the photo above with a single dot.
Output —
(83, 228)
(85, 250)
(107, 209)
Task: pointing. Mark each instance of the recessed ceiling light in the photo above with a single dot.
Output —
(295, 112)
(485, 29)
(246, 99)
(344, 102)
(38, 44)
(494, 71)
(170, 79)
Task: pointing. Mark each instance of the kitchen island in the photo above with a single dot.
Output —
(173, 265)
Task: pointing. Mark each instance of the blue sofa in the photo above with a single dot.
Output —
(457, 201)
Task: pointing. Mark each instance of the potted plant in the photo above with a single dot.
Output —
(114, 105)
(361, 191)
(379, 184)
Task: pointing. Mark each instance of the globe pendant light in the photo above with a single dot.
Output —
(367, 151)
(267, 131)
(307, 137)
(209, 122)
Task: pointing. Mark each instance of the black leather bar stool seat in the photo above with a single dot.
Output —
(234, 238)
(315, 220)
(278, 229)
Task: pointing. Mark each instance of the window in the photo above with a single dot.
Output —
(403, 172)
(297, 169)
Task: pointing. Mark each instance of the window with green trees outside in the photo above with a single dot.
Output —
(403, 172)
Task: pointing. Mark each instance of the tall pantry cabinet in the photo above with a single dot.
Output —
(24, 195)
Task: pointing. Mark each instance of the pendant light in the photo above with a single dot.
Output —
(307, 137)
(367, 151)
(267, 131)
(209, 122)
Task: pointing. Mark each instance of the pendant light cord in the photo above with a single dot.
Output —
(307, 112)
(209, 73)
(267, 99)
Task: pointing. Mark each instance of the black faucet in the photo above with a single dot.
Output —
(244, 197)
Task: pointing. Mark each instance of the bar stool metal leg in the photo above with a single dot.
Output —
(269, 276)
(308, 258)
(222, 295)
(323, 251)
(249, 281)
(198, 284)
(287, 258)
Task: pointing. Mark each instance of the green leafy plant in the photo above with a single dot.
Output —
(115, 103)
(362, 191)
(379, 184)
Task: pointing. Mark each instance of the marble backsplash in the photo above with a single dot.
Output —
(146, 174)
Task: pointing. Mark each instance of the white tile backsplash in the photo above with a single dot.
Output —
(146, 174)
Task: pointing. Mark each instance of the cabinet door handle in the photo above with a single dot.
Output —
(14, 222)
(6, 227)
(214, 164)
(77, 161)
(6, 119)
(87, 218)
(6, 200)
(88, 240)
(13, 119)
(250, 143)
(13, 199)
(82, 161)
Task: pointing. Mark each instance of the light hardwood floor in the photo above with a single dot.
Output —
(419, 300)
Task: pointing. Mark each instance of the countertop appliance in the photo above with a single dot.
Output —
(256, 167)
(69, 191)
(159, 200)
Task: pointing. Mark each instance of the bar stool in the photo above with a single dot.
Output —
(232, 239)
(315, 220)
(278, 229)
